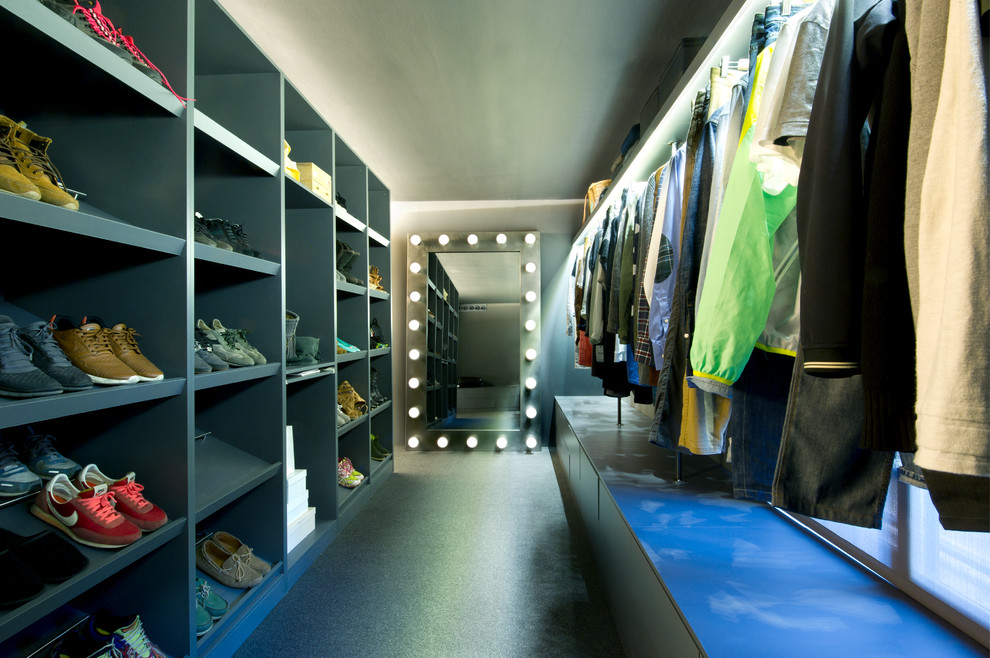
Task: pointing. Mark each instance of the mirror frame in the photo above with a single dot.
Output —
(527, 245)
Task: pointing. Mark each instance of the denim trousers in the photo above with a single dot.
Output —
(821, 470)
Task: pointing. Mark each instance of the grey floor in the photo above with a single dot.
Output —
(459, 554)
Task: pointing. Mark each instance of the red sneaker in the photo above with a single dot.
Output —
(127, 498)
(87, 516)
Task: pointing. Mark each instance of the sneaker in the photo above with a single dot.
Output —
(215, 227)
(125, 633)
(87, 516)
(73, 645)
(19, 378)
(234, 546)
(239, 337)
(15, 478)
(222, 345)
(12, 181)
(377, 335)
(31, 151)
(201, 233)
(347, 347)
(88, 348)
(127, 497)
(342, 418)
(200, 367)
(213, 362)
(125, 347)
(378, 446)
(41, 456)
(229, 570)
(49, 358)
(212, 602)
(241, 241)
(204, 622)
(347, 476)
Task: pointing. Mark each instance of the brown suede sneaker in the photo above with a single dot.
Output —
(88, 348)
(31, 151)
(125, 347)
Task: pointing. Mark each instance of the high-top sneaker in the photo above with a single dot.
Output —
(201, 233)
(239, 338)
(50, 359)
(31, 151)
(12, 180)
(243, 245)
(88, 348)
(215, 227)
(19, 378)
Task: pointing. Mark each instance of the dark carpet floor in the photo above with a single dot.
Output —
(459, 554)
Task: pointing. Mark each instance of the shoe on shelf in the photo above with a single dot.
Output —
(123, 342)
(375, 278)
(239, 337)
(347, 347)
(377, 444)
(347, 476)
(374, 393)
(50, 557)
(81, 643)
(126, 634)
(214, 227)
(20, 583)
(88, 348)
(242, 244)
(31, 151)
(127, 496)
(212, 602)
(201, 233)
(342, 418)
(346, 256)
(377, 335)
(15, 478)
(227, 569)
(87, 516)
(222, 345)
(49, 358)
(376, 454)
(235, 546)
(200, 367)
(12, 181)
(19, 378)
(204, 622)
(352, 403)
(205, 354)
(40, 455)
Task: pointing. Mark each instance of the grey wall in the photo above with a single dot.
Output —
(488, 345)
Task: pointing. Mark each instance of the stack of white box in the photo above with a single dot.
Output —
(301, 518)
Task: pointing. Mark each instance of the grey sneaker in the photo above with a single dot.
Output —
(215, 226)
(15, 478)
(40, 455)
(204, 353)
(240, 339)
(201, 233)
(200, 367)
(223, 345)
(19, 378)
(50, 359)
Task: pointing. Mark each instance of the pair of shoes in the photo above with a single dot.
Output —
(87, 15)
(345, 261)
(210, 606)
(231, 562)
(97, 510)
(33, 365)
(378, 451)
(347, 476)
(349, 400)
(229, 345)
(342, 418)
(26, 169)
(375, 394)
(220, 233)
(377, 335)
(375, 278)
(109, 355)
(27, 458)
(28, 563)
(343, 347)
(204, 360)
(121, 635)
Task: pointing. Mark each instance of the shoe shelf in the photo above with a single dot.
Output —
(234, 376)
(206, 253)
(351, 356)
(103, 564)
(345, 217)
(381, 351)
(300, 197)
(307, 373)
(350, 425)
(380, 239)
(222, 137)
(350, 288)
(383, 407)
(224, 473)
(84, 63)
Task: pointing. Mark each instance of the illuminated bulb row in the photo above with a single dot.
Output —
(472, 239)
(472, 442)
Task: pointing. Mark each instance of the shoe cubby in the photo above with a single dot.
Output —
(314, 432)
(351, 182)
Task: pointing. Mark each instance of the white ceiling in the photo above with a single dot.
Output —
(483, 278)
(477, 100)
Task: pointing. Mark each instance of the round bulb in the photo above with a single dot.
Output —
(414, 296)
(530, 354)
(500, 238)
(531, 412)
(442, 442)
(414, 325)
(530, 296)
(413, 382)
(472, 442)
(414, 412)
(531, 442)
(531, 383)
(415, 239)
(530, 267)
(414, 354)
(413, 442)
(443, 239)
(530, 238)
(530, 325)
(472, 239)
(414, 268)
(501, 443)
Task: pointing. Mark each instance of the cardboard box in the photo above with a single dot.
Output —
(301, 528)
(315, 179)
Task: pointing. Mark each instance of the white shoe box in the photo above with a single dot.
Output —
(296, 507)
(301, 527)
(297, 484)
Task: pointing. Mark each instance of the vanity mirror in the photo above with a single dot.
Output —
(473, 341)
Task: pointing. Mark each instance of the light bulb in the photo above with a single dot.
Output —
(530, 354)
(443, 239)
(415, 239)
(414, 325)
(530, 325)
(442, 442)
(530, 267)
(500, 238)
(413, 382)
(414, 268)
(472, 442)
(530, 238)
(413, 442)
(531, 442)
(472, 239)
(531, 383)
(414, 412)
(531, 412)
(530, 296)
(500, 443)
(414, 296)
(413, 354)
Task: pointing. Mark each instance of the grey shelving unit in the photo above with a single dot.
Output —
(442, 331)
(210, 449)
